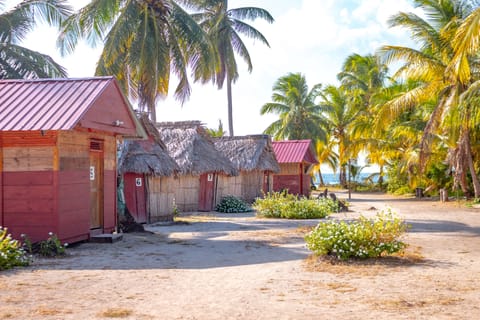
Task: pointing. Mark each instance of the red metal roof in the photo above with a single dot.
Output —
(47, 104)
(294, 151)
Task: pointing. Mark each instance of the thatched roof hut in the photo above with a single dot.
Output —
(148, 157)
(247, 153)
(189, 144)
(255, 159)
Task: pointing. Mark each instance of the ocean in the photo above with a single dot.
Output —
(332, 178)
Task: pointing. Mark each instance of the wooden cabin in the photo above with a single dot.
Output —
(200, 164)
(145, 168)
(296, 159)
(58, 144)
(254, 158)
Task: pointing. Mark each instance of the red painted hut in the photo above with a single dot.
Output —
(296, 159)
(146, 169)
(58, 149)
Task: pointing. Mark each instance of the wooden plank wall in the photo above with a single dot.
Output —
(252, 185)
(110, 184)
(187, 192)
(74, 191)
(29, 183)
(229, 186)
(160, 196)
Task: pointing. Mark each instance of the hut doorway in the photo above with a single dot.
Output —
(96, 184)
(207, 187)
(135, 199)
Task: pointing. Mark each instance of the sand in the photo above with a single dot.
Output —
(236, 266)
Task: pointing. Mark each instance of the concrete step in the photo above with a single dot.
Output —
(106, 238)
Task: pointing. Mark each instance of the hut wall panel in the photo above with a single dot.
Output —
(288, 168)
(29, 138)
(74, 185)
(160, 198)
(186, 193)
(290, 182)
(110, 200)
(2, 223)
(252, 184)
(29, 204)
(28, 159)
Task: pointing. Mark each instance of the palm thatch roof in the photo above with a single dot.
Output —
(147, 156)
(189, 144)
(248, 153)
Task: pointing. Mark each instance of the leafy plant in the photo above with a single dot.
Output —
(11, 252)
(364, 238)
(232, 204)
(288, 206)
(175, 211)
(51, 247)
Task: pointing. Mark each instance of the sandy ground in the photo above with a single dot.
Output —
(239, 267)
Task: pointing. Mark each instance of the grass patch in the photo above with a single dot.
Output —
(116, 313)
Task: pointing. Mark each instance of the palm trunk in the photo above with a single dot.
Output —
(321, 182)
(471, 167)
(153, 112)
(230, 106)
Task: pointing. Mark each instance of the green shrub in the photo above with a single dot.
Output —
(11, 252)
(52, 247)
(231, 204)
(284, 205)
(364, 238)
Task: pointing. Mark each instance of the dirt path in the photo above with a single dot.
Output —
(239, 267)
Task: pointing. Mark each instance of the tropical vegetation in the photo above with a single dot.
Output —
(16, 61)
(413, 112)
(288, 206)
(363, 238)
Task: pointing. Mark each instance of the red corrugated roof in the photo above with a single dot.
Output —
(294, 151)
(47, 104)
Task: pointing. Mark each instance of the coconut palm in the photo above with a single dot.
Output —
(145, 42)
(225, 27)
(299, 115)
(443, 68)
(17, 62)
(340, 115)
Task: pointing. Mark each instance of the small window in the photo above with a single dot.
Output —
(96, 145)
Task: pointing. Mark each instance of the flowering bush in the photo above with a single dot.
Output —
(364, 238)
(11, 252)
(231, 204)
(52, 247)
(284, 205)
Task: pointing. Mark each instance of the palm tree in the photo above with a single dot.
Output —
(217, 133)
(145, 41)
(340, 115)
(299, 115)
(225, 27)
(17, 62)
(325, 155)
(442, 68)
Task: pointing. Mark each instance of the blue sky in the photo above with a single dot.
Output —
(312, 37)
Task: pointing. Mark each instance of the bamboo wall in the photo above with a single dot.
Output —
(160, 198)
(247, 186)
(163, 191)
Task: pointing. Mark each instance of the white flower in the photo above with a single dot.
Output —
(50, 233)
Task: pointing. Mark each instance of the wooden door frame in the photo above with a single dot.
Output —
(101, 182)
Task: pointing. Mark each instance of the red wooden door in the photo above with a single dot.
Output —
(266, 182)
(96, 189)
(135, 199)
(207, 187)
